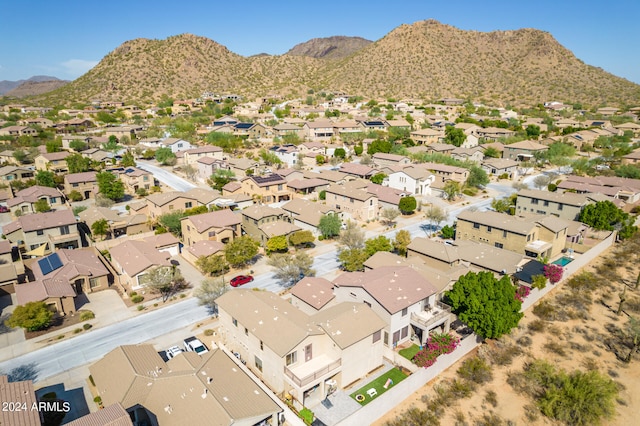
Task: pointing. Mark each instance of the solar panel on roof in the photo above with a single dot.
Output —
(44, 265)
(50, 263)
(265, 179)
(55, 261)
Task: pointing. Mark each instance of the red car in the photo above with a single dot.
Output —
(4, 209)
(240, 280)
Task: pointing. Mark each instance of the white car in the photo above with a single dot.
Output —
(173, 351)
(191, 344)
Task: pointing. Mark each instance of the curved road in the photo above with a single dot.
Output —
(166, 177)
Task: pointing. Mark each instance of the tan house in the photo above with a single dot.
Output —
(382, 159)
(86, 184)
(500, 166)
(202, 248)
(306, 214)
(61, 276)
(188, 389)
(312, 294)
(221, 225)
(9, 174)
(300, 354)
(358, 203)
(523, 151)
(191, 156)
(54, 161)
(22, 394)
(565, 205)
(443, 173)
(25, 200)
(10, 268)
(494, 133)
(266, 189)
(168, 202)
(6, 157)
(133, 260)
(18, 131)
(318, 130)
(241, 166)
(42, 233)
(134, 178)
(118, 225)
(427, 136)
(534, 236)
(263, 222)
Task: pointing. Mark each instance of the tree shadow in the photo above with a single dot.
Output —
(3, 327)
(75, 397)
(23, 372)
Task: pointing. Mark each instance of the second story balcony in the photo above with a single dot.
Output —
(318, 368)
(432, 316)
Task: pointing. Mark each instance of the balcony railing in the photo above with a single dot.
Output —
(313, 376)
(431, 316)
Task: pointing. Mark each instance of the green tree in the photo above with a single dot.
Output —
(75, 196)
(110, 186)
(322, 195)
(402, 241)
(352, 237)
(165, 156)
(389, 215)
(454, 136)
(379, 243)
(448, 232)
(501, 205)
(451, 190)
(54, 145)
(220, 178)
(329, 225)
(491, 152)
(533, 131)
(291, 269)
(602, 215)
(485, 304)
(41, 206)
(100, 227)
(111, 145)
(241, 250)
(320, 160)
(339, 153)
(352, 259)
(435, 215)
(209, 291)
(277, 243)
(32, 317)
(20, 156)
(128, 160)
(477, 177)
(172, 222)
(301, 238)
(269, 157)
(407, 205)
(165, 280)
(378, 178)
(379, 145)
(214, 264)
(78, 145)
(45, 178)
(78, 164)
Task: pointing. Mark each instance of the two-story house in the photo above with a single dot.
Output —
(54, 161)
(534, 236)
(523, 151)
(358, 203)
(221, 225)
(84, 183)
(415, 180)
(300, 354)
(318, 130)
(565, 205)
(288, 154)
(191, 156)
(382, 159)
(176, 144)
(134, 178)
(500, 166)
(25, 200)
(427, 136)
(168, 202)
(306, 214)
(267, 189)
(9, 268)
(444, 173)
(263, 222)
(9, 174)
(43, 233)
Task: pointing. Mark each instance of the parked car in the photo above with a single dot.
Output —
(4, 209)
(240, 280)
(193, 344)
(173, 351)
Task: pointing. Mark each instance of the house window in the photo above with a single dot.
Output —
(534, 201)
(179, 145)
(404, 312)
(559, 206)
(546, 203)
(370, 202)
(280, 186)
(34, 246)
(39, 232)
(234, 321)
(504, 234)
(386, 339)
(405, 331)
(64, 230)
(170, 206)
(376, 336)
(476, 226)
(246, 331)
(145, 178)
(292, 358)
(258, 363)
(499, 245)
(528, 238)
(261, 345)
(75, 185)
(188, 228)
(212, 234)
(488, 229)
(351, 200)
(93, 282)
(188, 205)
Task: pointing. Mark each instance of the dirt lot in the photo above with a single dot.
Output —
(575, 328)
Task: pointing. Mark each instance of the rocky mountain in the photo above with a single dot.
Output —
(335, 47)
(7, 85)
(426, 59)
(34, 88)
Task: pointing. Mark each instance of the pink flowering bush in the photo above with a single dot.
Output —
(437, 344)
(522, 292)
(553, 273)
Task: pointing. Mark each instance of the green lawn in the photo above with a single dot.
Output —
(394, 374)
(410, 352)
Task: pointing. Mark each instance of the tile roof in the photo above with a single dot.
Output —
(315, 292)
(215, 219)
(81, 177)
(205, 248)
(258, 211)
(137, 256)
(34, 222)
(18, 392)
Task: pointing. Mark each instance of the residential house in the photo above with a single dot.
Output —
(565, 205)
(311, 148)
(401, 296)
(135, 179)
(607, 111)
(414, 180)
(624, 189)
(68, 139)
(523, 151)
(207, 166)
(357, 170)
(187, 389)
(120, 131)
(474, 155)
(202, 248)
(331, 176)
(318, 130)
(61, 276)
(9, 174)
(308, 186)
(499, 167)
(632, 158)
(176, 144)
(86, 184)
(534, 236)
(372, 125)
(11, 268)
(382, 159)
(7, 157)
(43, 233)
(444, 173)
(434, 148)
(111, 415)
(97, 154)
(266, 189)
(312, 294)
(168, 202)
(54, 161)
(629, 126)
(42, 122)
(357, 203)
(290, 174)
(191, 156)
(263, 222)
(18, 131)
(221, 225)
(341, 128)
(283, 129)
(498, 146)
(469, 129)
(427, 136)
(133, 260)
(242, 167)
(153, 143)
(494, 133)
(130, 224)
(306, 214)
(24, 201)
(288, 154)
(296, 353)
(388, 198)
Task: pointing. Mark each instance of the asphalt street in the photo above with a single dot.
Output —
(166, 177)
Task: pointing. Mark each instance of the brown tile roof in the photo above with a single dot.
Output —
(162, 240)
(138, 256)
(315, 292)
(307, 183)
(5, 247)
(54, 156)
(567, 198)
(345, 191)
(81, 177)
(216, 219)
(232, 186)
(278, 228)
(34, 222)
(111, 415)
(357, 169)
(205, 248)
(259, 211)
(348, 323)
(527, 145)
(162, 198)
(19, 393)
(388, 157)
(33, 194)
(203, 196)
(386, 194)
(518, 225)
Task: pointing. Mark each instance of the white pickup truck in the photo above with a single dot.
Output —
(192, 344)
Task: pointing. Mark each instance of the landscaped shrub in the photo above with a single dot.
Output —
(137, 298)
(208, 332)
(437, 344)
(522, 292)
(306, 415)
(86, 315)
(87, 326)
(553, 273)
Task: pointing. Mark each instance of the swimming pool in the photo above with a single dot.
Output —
(563, 261)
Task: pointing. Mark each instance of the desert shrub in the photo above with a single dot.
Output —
(86, 326)
(555, 347)
(536, 325)
(93, 383)
(491, 397)
(208, 332)
(137, 298)
(524, 341)
(77, 330)
(86, 315)
(546, 310)
(584, 281)
(140, 307)
(461, 388)
(489, 419)
(475, 370)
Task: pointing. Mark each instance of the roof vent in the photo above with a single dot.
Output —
(209, 380)
(204, 394)
(168, 409)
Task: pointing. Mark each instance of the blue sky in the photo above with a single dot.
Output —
(66, 38)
